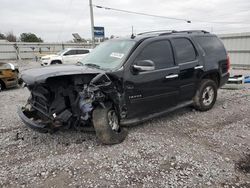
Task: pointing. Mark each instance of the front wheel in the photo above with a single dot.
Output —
(56, 62)
(107, 127)
(206, 95)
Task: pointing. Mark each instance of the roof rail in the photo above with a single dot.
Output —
(192, 31)
(167, 32)
(156, 31)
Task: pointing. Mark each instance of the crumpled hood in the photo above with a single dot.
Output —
(39, 75)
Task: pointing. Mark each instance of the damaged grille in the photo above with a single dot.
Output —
(40, 100)
(40, 104)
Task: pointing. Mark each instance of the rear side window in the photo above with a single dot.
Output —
(82, 51)
(160, 53)
(211, 45)
(185, 51)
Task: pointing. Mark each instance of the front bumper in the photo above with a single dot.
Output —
(26, 118)
(45, 62)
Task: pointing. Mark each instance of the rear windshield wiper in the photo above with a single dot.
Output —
(92, 65)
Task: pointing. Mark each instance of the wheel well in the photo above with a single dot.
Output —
(55, 61)
(3, 84)
(213, 76)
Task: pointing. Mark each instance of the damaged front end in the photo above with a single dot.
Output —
(68, 101)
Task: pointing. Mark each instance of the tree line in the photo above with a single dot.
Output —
(24, 37)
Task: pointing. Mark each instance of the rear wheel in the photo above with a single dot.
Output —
(1, 86)
(107, 127)
(206, 95)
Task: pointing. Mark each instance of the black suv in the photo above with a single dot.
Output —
(125, 81)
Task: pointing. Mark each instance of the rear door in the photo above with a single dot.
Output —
(152, 91)
(187, 58)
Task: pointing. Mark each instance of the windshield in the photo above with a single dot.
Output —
(109, 54)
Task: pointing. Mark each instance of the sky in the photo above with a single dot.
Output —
(56, 20)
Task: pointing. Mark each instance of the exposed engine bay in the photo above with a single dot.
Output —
(68, 101)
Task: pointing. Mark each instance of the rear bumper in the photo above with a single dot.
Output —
(224, 79)
(10, 82)
(26, 118)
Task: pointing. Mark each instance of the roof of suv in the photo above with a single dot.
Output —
(158, 33)
(78, 49)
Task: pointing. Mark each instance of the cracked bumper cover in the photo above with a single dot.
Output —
(39, 127)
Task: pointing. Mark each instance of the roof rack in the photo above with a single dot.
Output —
(167, 32)
(193, 31)
(156, 31)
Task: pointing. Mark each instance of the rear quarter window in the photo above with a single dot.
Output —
(211, 45)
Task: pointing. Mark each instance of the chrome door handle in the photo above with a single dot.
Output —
(198, 67)
(172, 76)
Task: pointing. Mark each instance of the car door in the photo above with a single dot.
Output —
(69, 56)
(187, 58)
(81, 54)
(154, 91)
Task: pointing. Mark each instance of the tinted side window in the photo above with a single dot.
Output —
(211, 45)
(71, 52)
(82, 51)
(185, 51)
(160, 53)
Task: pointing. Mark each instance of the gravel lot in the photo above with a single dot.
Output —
(185, 148)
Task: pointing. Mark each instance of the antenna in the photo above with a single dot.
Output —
(132, 35)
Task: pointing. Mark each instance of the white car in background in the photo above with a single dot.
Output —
(67, 56)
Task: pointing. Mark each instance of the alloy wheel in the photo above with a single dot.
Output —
(208, 95)
(113, 120)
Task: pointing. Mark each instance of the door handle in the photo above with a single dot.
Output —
(172, 76)
(198, 67)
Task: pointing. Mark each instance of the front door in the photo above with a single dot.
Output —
(69, 57)
(156, 90)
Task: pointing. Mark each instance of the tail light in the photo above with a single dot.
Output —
(228, 63)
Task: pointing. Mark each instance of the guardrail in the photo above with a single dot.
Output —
(237, 45)
(21, 50)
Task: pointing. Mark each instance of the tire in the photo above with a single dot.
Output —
(56, 62)
(2, 86)
(206, 95)
(103, 129)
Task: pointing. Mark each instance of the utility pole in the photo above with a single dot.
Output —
(92, 23)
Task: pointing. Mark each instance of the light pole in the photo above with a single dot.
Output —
(92, 23)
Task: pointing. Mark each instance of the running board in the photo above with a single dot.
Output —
(127, 122)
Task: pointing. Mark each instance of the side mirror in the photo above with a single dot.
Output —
(144, 65)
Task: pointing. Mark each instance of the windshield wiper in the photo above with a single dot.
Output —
(92, 65)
